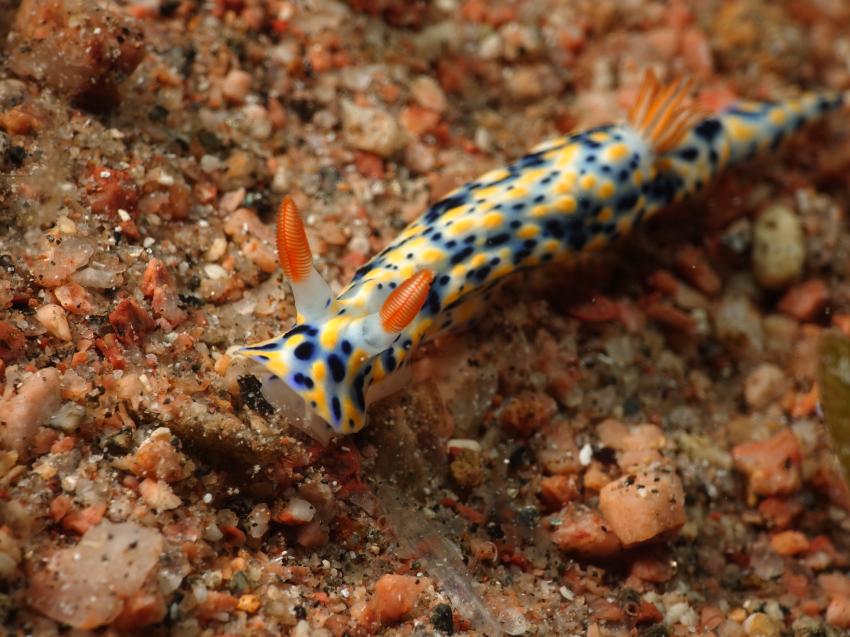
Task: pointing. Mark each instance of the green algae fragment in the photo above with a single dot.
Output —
(834, 381)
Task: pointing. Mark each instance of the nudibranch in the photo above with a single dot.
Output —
(571, 195)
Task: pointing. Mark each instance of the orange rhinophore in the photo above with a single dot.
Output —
(406, 300)
(293, 251)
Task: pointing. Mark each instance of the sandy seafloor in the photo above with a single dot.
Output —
(146, 488)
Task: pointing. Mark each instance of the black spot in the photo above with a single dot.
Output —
(451, 244)
(358, 392)
(444, 205)
(337, 368)
(708, 129)
(389, 361)
(470, 239)
(483, 272)
(433, 302)
(590, 158)
(712, 156)
(460, 255)
(627, 202)
(312, 331)
(266, 347)
(554, 228)
(515, 224)
(305, 351)
(336, 409)
(689, 153)
(624, 175)
(531, 161)
(518, 206)
(778, 136)
(576, 240)
(346, 347)
(250, 388)
(437, 236)
(364, 270)
(539, 198)
(530, 243)
(444, 279)
(442, 619)
(298, 329)
(605, 168)
(499, 239)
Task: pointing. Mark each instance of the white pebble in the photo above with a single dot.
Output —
(763, 385)
(215, 271)
(428, 94)
(52, 317)
(217, 249)
(371, 128)
(236, 86)
(779, 247)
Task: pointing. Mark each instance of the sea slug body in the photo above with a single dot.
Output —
(570, 195)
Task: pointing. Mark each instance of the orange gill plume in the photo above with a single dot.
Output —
(663, 114)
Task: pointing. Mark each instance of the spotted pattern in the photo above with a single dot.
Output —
(570, 195)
